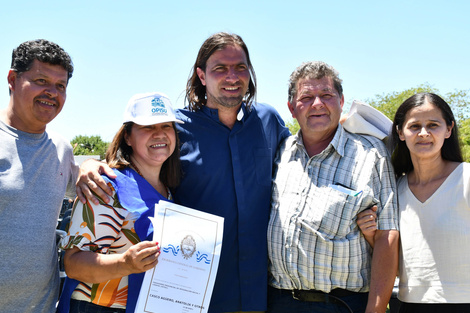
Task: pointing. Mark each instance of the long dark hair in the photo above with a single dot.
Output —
(195, 90)
(401, 158)
(119, 152)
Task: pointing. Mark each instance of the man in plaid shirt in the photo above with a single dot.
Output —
(323, 177)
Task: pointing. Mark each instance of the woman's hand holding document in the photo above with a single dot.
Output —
(184, 277)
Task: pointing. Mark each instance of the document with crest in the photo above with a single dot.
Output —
(184, 277)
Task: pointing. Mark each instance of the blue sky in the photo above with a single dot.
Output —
(120, 48)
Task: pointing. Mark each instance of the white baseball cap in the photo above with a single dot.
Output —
(150, 108)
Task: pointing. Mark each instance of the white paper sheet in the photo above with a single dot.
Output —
(364, 119)
(184, 277)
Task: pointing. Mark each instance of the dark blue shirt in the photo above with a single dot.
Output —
(227, 172)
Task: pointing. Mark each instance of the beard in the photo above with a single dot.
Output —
(227, 102)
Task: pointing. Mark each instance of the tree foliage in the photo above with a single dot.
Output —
(89, 145)
(464, 134)
(459, 100)
(389, 103)
(293, 126)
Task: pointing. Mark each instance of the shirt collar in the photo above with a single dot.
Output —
(338, 142)
(214, 113)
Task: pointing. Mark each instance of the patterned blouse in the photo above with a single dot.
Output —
(106, 229)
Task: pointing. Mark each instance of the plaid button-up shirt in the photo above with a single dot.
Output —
(313, 238)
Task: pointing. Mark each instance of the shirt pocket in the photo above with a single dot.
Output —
(334, 213)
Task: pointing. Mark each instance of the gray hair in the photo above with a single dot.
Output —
(313, 70)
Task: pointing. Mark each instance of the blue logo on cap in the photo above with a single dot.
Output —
(158, 106)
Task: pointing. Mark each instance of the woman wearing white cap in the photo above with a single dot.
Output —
(108, 246)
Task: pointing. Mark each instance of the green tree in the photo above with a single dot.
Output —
(464, 134)
(293, 126)
(89, 145)
(459, 100)
(389, 103)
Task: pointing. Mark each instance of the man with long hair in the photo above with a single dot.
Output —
(229, 144)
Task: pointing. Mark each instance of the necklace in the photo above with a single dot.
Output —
(135, 167)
